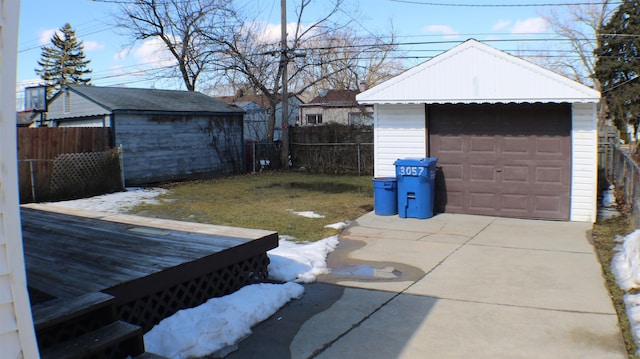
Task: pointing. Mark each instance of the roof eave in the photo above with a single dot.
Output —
(476, 101)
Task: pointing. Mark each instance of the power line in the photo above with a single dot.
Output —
(503, 5)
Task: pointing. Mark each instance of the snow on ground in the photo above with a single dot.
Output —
(308, 214)
(300, 262)
(220, 323)
(607, 207)
(625, 266)
(118, 202)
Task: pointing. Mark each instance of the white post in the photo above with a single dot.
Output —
(17, 334)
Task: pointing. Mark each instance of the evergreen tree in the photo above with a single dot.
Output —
(63, 62)
(618, 65)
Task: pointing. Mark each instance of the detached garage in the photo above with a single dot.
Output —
(512, 139)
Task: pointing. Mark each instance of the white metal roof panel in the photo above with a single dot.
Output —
(473, 72)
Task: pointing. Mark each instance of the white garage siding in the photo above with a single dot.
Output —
(399, 132)
(475, 73)
(584, 163)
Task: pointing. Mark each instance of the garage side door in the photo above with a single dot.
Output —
(503, 160)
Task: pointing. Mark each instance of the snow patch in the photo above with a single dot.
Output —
(300, 262)
(119, 202)
(338, 226)
(308, 214)
(218, 323)
(625, 263)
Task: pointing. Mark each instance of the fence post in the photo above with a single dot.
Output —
(121, 155)
(359, 172)
(33, 184)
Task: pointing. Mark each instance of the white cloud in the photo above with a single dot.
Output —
(445, 30)
(93, 46)
(44, 36)
(121, 55)
(153, 52)
(271, 32)
(501, 24)
(530, 26)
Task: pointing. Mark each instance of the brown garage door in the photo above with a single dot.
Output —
(502, 160)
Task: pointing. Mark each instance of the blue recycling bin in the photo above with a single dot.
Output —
(385, 196)
(416, 187)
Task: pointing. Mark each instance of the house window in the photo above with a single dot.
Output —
(314, 119)
(361, 118)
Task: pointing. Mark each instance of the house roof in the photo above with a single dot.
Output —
(25, 118)
(125, 99)
(335, 98)
(260, 99)
(474, 72)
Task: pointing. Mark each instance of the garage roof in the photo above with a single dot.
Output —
(474, 72)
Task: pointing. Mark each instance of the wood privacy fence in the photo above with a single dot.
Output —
(66, 163)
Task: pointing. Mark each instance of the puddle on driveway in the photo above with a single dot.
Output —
(345, 268)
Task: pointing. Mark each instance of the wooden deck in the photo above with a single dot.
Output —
(150, 268)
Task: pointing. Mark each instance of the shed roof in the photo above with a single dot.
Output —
(125, 99)
(474, 72)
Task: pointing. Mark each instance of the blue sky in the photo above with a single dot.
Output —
(113, 62)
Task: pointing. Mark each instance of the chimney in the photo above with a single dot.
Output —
(363, 86)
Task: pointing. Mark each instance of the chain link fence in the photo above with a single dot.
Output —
(327, 158)
(623, 172)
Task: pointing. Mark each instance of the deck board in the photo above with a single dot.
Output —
(70, 252)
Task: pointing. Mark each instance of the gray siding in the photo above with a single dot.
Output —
(159, 148)
(79, 107)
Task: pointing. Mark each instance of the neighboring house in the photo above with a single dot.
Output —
(165, 135)
(26, 118)
(241, 100)
(512, 139)
(335, 106)
(17, 336)
(256, 120)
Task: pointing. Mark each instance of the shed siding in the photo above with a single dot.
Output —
(399, 132)
(158, 148)
(584, 163)
(80, 107)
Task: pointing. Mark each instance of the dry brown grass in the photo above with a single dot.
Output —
(267, 201)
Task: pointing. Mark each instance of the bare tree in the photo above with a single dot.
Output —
(580, 27)
(178, 24)
(249, 57)
(344, 61)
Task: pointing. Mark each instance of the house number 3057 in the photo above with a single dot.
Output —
(411, 171)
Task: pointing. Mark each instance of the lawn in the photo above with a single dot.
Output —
(268, 201)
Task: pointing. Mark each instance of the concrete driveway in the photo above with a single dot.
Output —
(452, 286)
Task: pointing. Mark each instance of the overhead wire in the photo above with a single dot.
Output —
(415, 2)
(398, 44)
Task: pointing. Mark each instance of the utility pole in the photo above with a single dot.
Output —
(284, 62)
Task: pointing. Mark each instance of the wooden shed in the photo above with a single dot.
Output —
(165, 135)
(512, 139)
